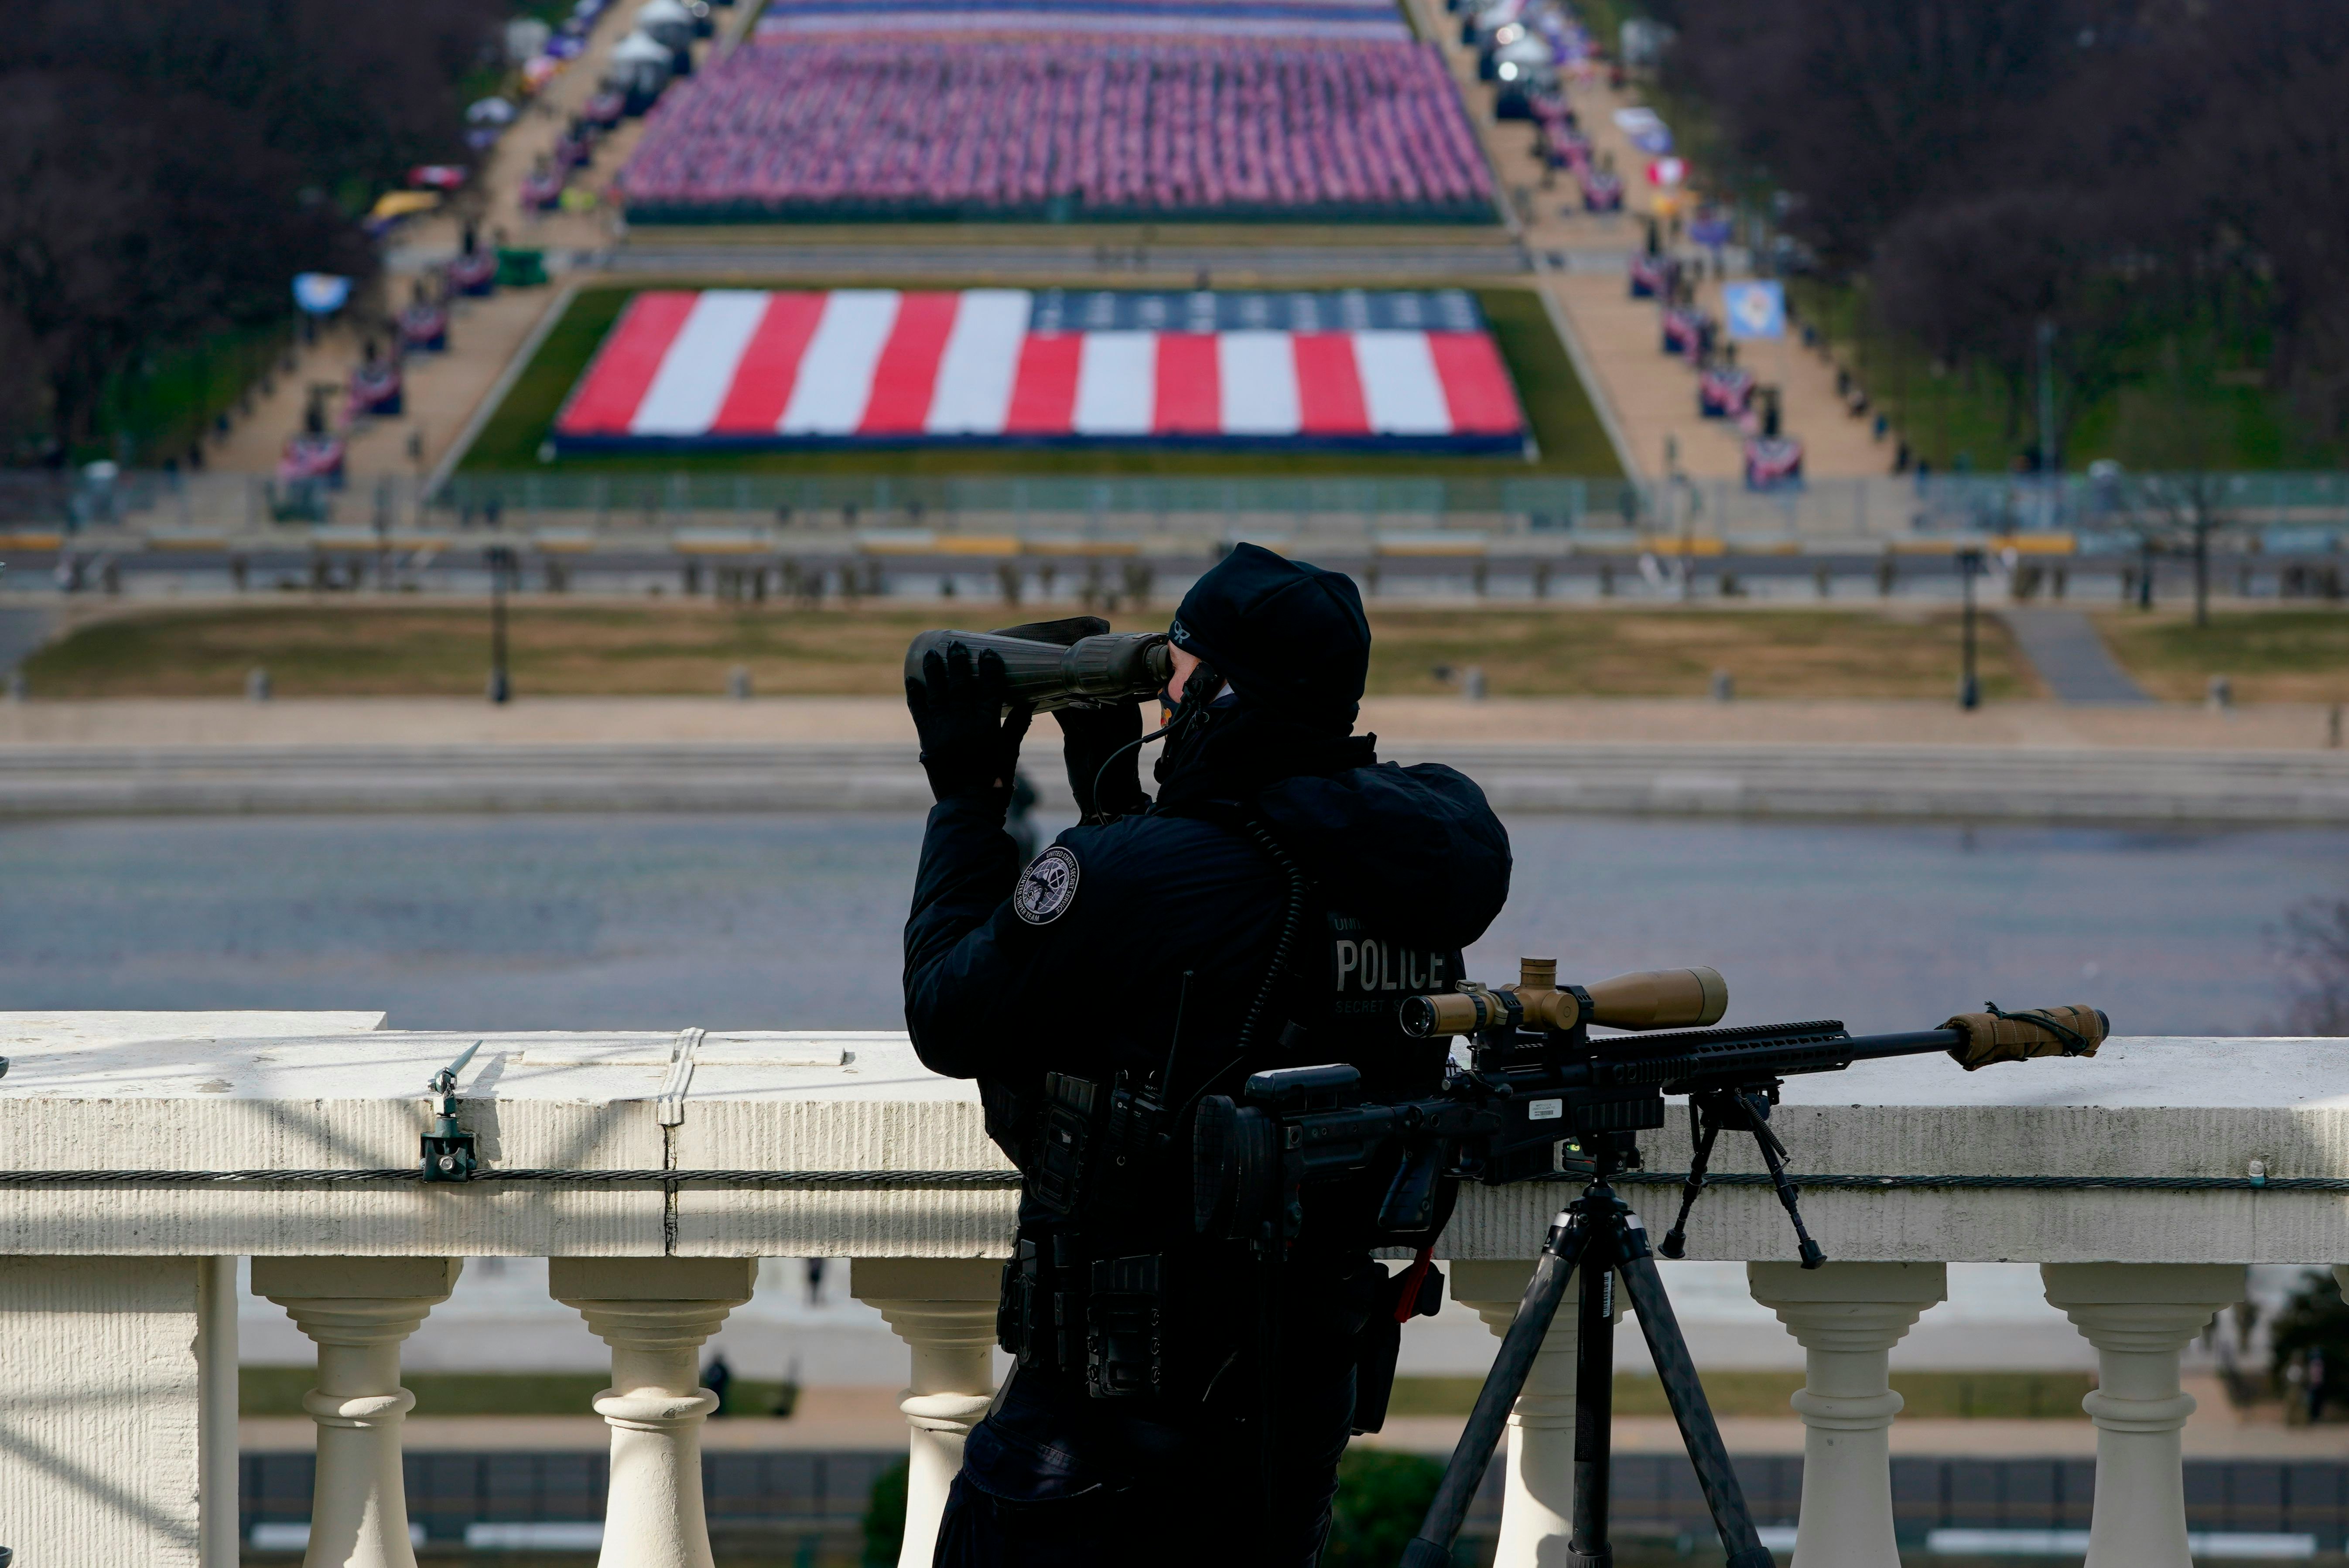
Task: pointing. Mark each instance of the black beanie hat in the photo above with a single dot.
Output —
(1289, 637)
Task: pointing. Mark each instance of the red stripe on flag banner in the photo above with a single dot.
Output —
(905, 377)
(1475, 384)
(625, 367)
(1328, 385)
(770, 367)
(1190, 385)
(1044, 393)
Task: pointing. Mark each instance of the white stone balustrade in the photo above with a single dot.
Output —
(358, 1310)
(117, 1322)
(943, 1309)
(1848, 1317)
(655, 1313)
(2138, 1318)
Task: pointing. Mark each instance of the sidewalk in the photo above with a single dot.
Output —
(1397, 721)
(1653, 397)
(2064, 647)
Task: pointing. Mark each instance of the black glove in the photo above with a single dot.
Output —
(970, 746)
(1090, 736)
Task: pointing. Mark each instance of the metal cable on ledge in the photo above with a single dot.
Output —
(408, 1173)
(1005, 1180)
(2073, 1183)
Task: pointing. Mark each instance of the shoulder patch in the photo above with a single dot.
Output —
(1046, 887)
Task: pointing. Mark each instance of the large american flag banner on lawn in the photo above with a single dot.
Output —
(746, 367)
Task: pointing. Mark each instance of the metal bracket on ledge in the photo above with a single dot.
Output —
(447, 1149)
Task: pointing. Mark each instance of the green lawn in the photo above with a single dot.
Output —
(2007, 1395)
(2190, 397)
(1566, 429)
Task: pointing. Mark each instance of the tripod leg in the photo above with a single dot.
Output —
(1723, 1495)
(1431, 1548)
(1594, 1411)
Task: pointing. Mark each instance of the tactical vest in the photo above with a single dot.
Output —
(1106, 1284)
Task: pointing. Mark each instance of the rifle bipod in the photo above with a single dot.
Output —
(1745, 1107)
(1599, 1234)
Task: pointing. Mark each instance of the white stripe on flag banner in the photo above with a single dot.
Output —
(691, 386)
(1256, 381)
(1400, 391)
(981, 361)
(835, 378)
(1117, 384)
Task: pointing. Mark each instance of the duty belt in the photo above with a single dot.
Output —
(1103, 1319)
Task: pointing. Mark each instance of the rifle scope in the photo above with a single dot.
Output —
(1651, 999)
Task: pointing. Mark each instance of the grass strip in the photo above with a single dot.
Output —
(327, 648)
(1931, 1396)
(1936, 1396)
(2267, 655)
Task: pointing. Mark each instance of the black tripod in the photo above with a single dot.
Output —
(1599, 1232)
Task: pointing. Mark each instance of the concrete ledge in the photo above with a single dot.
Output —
(2069, 784)
(140, 1095)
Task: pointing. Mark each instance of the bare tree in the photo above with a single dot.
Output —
(167, 167)
(2113, 166)
(2313, 947)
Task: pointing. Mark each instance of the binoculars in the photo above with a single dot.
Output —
(1062, 663)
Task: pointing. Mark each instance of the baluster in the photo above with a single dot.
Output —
(1846, 1318)
(358, 1311)
(655, 1313)
(2139, 1317)
(1537, 1500)
(943, 1309)
(218, 1545)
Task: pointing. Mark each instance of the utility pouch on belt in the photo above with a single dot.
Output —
(1015, 1309)
(1134, 1120)
(1064, 1143)
(1041, 1316)
(1125, 1327)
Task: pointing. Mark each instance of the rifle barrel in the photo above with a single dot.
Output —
(1767, 1058)
(1916, 1043)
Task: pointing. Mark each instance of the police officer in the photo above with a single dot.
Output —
(1178, 1394)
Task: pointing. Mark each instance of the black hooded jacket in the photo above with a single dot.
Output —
(1087, 975)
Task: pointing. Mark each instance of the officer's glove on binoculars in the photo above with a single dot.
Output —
(971, 744)
(1099, 744)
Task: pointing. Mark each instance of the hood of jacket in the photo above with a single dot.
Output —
(1413, 851)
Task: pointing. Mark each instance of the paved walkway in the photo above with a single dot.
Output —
(2063, 646)
(1653, 397)
(1416, 721)
(22, 629)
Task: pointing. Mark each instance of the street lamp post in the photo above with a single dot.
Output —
(2047, 478)
(501, 564)
(1969, 683)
